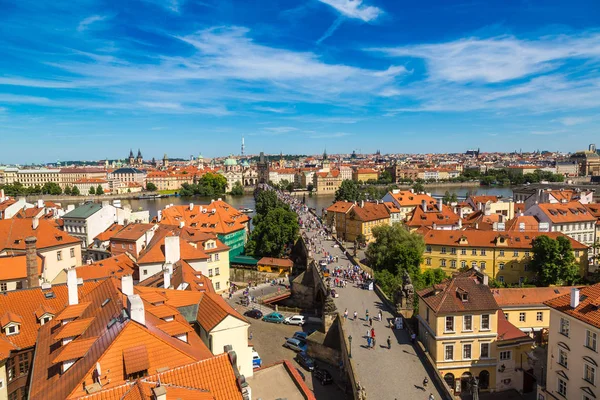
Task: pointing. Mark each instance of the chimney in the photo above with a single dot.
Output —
(40, 203)
(158, 215)
(191, 206)
(159, 393)
(440, 204)
(460, 223)
(33, 278)
(2, 198)
(362, 204)
(172, 249)
(166, 278)
(135, 309)
(424, 205)
(574, 298)
(35, 222)
(72, 286)
(127, 285)
(181, 224)
(485, 279)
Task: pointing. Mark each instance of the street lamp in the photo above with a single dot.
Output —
(350, 352)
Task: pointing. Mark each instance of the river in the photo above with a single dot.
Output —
(316, 202)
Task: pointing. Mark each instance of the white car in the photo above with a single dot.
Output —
(294, 320)
(256, 360)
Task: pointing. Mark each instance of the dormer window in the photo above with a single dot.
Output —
(11, 329)
(464, 296)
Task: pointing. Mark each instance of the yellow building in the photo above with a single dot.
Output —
(364, 174)
(327, 182)
(573, 361)
(279, 265)
(504, 256)
(467, 336)
(350, 220)
(525, 308)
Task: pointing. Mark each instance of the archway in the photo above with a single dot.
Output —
(465, 380)
(449, 378)
(484, 379)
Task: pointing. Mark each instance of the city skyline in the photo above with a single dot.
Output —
(89, 80)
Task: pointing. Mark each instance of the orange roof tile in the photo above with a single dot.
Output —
(162, 311)
(10, 317)
(153, 297)
(529, 223)
(445, 217)
(44, 309)
(370, 212)
(507, 331)
(15, 267)
(73, 311)
(223, 220)
(155, 252)
(113, 266)
(213, 309)
(107, 234)
(406, 198)
(278, 262)
(132, 232)
(340, 207)
(588, 309)
(14, 231)
(566, 212)
(534, 296)
(174, 328)
(74, 350)
(74, 328)
(136, 359)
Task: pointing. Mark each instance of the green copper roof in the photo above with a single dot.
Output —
(84, 211)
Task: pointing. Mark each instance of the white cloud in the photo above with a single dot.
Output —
(276, 110)
(171, 5)
(169, 106)
(498, 59)
(355, 9)
(85, 23)
(329, 135)
(281, 129)
(570, 121)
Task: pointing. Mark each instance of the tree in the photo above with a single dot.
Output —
(217, 182)
(275, 231)
(349, 191)
(151, 187)
(75, 191)
(553, 260)
(418, 186)
(290, 187)
(99, 190)
(92, 190)
(449, 198)
(266, 200)
(237, 189)
(310, 187)
(395, 249)
(385, 178)
(51, 188)
(68, 190)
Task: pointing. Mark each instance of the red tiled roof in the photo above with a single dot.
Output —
(370, 212)
(225, 218)
(535, 296)
(14, 231)
(107, 234)
(507, 331)
(566, 212)
(132, 232)
(418, 217)
(113, 266)
(407, 198)
(74, 328)
(73, 311)
(15, 267)
(278, 262)
(213, 309)
(174, 328)
(10, 317)
(588, 309)
(135, 359)
(74, 350)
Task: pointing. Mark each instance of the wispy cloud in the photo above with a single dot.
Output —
(87, 22)
(281, 129)
(276, 110)
(355, 9)
(336, 24)
(570, 121)
(329, 135)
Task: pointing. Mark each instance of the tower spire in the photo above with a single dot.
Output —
(243, 146)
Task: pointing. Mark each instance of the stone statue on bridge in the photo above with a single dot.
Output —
(405, 296)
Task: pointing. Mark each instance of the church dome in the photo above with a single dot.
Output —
(230, 162)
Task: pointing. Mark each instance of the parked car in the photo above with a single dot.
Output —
(323, 376)
(301, 335)
(256, 360)
(295, 344)
(254, 313)
(274, 317)
(294, 320)
(305, 361)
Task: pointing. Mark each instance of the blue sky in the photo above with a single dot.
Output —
(89, 79)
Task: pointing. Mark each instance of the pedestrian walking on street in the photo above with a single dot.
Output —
(367, 315)
(355, 315)
(370, 321)
(346, 314)
(389, 342)
(425, 382)
(369, 342)
(379, 316)
(372, 332)
(413, 337)
(373, 341)
(431, 396)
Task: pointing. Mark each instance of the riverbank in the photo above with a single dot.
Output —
(81, 198)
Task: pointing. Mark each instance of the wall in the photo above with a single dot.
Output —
(530, 317)
(3, 378)
(323, 353)
(53, 267)
(234, 332)
(249, 275)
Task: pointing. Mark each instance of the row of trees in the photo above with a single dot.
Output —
(208, 185)
(52, 188)
(501, 177)
(275, 227)
(351, 191)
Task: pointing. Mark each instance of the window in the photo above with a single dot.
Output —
(468, 323)
(130, 247)
(144, 272)
(564, 327)
(522, 317)
(217, 273)
(563, 358)
(501, 253)
(501, 266)
(3, 287)
(449, 324)
(443, 263)
(506, 316)
(589, 373)
(23, 364)
(122, 245)
(576, 253)
(505, 355)
(11, 330)
(562, 387)
(482, 265)
(483, 252)
(515, 253)
(217, 257)
(526, 254)
(539, 316)
(428, 249)
(453, 264)
(217, 285)
(210, 272)
(453, 251)
(463, 252)
(500, 279)
(448, 352)
(466, 352)
(443, 250)
(591, 340)
(428, 261)
(72, 253)
(485, 322)
(474, 252)
(485, 350)
(463, 264)
(59, 255)
(474, 264)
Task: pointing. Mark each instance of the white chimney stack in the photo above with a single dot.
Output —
(40, 203)
(424, 205)
(72, 286)
(135, 308)
(172, 249)
(166, 278)
(2, 195)
(191, 206)
(158, 215)
(362, 204)
(440, 204)
(35, 222)
(460, 223)
(574, 298)
(160, 393)
(181, 224)
(127, 285)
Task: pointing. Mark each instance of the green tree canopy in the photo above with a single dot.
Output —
(554, 262)
(208, 185)
(395, 249)
(99, 190)
(237, 189)
(92, 190)
(418, 186)
(51, 188)
(276, 231)
(68, 190)
(75, 191)
(151, 187)
(266, 200)
(449, 198)
(349, 191)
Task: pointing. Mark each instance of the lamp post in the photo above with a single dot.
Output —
(350, 341)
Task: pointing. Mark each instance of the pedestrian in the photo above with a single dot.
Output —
(373, 341)
(379, 316)
(373, 332)
(367, 315)
(345, 314)
(368, 333)
(389, 341)
(355, 315)
(369, 342)
(413, 337)
(431, 396)
(370, 321)
(425, 382)
(250, 336)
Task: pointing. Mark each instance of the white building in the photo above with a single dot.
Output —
(571, 218)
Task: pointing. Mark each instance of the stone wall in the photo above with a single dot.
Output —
(248, 275)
